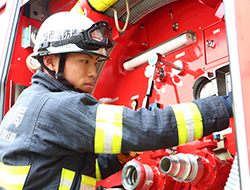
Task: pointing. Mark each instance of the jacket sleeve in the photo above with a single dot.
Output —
(81, 124)
(174, 125)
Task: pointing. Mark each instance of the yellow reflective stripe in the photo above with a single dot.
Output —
(181, 124)
(97, 172)
(13, 177)
(108, 133)
(87, 180)
(198, 125)
(77, 8)
(67, 178)
(187, 113)
(189, 122)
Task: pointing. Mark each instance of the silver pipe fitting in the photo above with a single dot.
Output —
(136, 175)
(182, 167)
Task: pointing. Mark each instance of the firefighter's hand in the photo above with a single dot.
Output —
(125, 157)
(228, 102)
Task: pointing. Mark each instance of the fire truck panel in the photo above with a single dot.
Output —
(174, 52)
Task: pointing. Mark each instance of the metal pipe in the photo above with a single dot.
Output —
(172, 65)
(182, 167)
(163, 48)
(180, 68)
(136, 175)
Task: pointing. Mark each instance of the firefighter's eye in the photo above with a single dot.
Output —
(85, 61)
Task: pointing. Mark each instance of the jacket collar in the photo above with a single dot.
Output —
(50, 83)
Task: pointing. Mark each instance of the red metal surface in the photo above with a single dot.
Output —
(57, 6)
(210, 3)
(159, 30)
(217, 34)
(204, 21)
(18, 72)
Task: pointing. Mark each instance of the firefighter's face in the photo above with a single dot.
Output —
(79, 69)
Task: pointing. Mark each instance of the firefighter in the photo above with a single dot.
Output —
(57, 136)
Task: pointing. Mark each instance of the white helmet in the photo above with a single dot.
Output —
(69, 32)
(66, 32)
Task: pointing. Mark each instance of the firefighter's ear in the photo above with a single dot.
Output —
(51, 61)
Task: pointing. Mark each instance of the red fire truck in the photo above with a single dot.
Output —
(165, 52)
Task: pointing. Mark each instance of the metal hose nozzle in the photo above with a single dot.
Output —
(182, 167)
(136, 175)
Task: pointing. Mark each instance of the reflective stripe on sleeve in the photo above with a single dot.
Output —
(67, 178)
(189, 122)
(197, 120)
(88, 182)
(108, 133)
(13, 177)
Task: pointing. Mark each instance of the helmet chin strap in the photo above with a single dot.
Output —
(59, 75)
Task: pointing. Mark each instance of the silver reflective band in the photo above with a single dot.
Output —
(109, 126)
(66, 182)
(86, 187)
(187, 113)
(13, 177)
(67, 178)
(189, 122)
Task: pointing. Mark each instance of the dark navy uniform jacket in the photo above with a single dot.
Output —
(51, 137)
